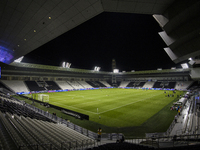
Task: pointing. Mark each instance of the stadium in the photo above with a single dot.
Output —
(61, 107)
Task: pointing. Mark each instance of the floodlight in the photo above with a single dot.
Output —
(68, 65)
(116, 70)
(63, 64)
(184, 66)
(97, 68)
(19, 59)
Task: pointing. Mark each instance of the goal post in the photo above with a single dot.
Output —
(43, 97)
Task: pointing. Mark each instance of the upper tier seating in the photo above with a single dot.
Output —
(16, 86)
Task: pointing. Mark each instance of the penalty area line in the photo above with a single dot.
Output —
(127, 104)
(77, 108)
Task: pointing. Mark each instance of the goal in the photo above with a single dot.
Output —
(43, 97)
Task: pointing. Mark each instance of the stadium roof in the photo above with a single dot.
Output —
(28, 24)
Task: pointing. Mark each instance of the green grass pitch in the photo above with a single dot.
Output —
(114, 107)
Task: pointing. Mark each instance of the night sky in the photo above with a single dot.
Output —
(131, 39)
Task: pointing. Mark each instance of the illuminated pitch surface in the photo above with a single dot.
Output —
(116, 107)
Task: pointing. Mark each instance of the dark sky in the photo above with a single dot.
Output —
(131, 39)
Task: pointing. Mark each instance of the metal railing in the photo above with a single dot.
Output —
(57, 119)
(167, 141)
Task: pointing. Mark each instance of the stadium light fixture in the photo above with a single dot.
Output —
(184, 66)
(68, 65)
(63, 64)
(97, 68)
(115, 70)
(19, 59)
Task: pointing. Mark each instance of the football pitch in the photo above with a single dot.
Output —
(115, 107)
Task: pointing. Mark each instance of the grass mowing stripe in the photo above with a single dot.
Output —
(128, 104)
(114, 106)
(75, 107)
(154, 114)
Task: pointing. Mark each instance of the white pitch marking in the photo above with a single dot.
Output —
(84, 103)
(76, 108)
(126, 104)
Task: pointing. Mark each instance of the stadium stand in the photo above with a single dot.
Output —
(14, 107)
(84, 84)
(24, 128)
(164, 84)
(148, 84)
(131, 84)
(52, 85)
(33, 86)
(19, 128)
(157, 85)
(100, 84)
(139, 84)
(170, 85)
(183, 85)
(93, 84)
(105, 83)
(136, 84)
(194, 86)
(124, 83)
(114, 84)
(5, 87)
(16, 86)
(64, 85)
(75, 84)
(122, 146)
(28, 133)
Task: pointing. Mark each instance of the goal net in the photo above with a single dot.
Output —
(43, 97)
